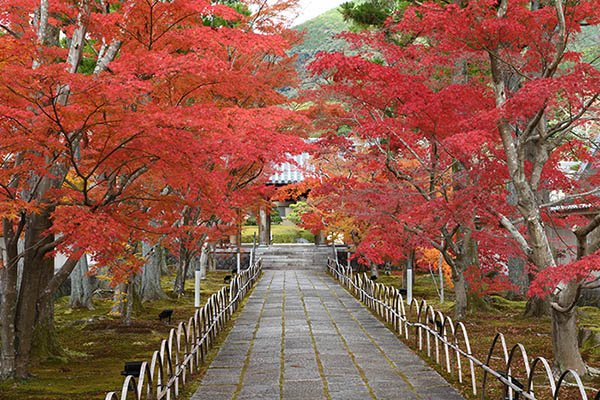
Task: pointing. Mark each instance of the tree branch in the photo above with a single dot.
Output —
(10, 31)
(561, 126)
(562, 39)
(106, 55)
(59, 278)
(512, 229)
(587, 229)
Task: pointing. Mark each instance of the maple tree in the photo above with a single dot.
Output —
(404, 160)
(117, 120)
(456, 110)
(389, 217)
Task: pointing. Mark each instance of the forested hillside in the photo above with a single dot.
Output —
(588, 42)
(321, 32)
(320, 35)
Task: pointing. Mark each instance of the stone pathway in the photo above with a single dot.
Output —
(302, 336)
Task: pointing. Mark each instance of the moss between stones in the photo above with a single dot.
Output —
(315, 348)
(245, 367)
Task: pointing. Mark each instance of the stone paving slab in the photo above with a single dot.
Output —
(302, 336)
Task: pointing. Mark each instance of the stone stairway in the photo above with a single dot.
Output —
(294, 256)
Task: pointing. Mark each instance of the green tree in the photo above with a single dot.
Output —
(371, 13)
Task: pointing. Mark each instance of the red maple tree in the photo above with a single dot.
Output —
(462, 115)
(118, 119)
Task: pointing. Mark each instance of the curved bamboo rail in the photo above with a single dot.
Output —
(451, 342)
(182, 353)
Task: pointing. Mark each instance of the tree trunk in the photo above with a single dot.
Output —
(164, 267)
(374, 270)
(564, 329)
(8, 307)
(204, 261)
(212, 260)
(264, 226)
(45, 340)
(27, 287)
(536, 308)
(466, 256)
(542, 257)
(82, 286)
(194, 265)
(131, 301)
(564, 342)
(128, 308)
(150, 288)
(518, 275)
(460, 294)
(119, 300)
(531, 146)
(182, 267)
(37, 272)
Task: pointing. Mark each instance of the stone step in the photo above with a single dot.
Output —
(296, 260)
(300, 256)
(320, 256)
(294, 257)
(268, 265)
(295, 253)
(294, 263)
(291, 257)
(294, 267)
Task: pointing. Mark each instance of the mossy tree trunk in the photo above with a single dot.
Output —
(194, 265)
(27, 307)
(183, 264)
(463, 255)
(565, 334)
(119, 300)
(131, 301)
(8, 304)
(204, 256)
(212, 259)
(128, 304)
(82, 286)
(460, 294)
(45, 340)
(374, 271)
(150, 288)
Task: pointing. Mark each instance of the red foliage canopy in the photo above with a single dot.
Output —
(164, 107)
(425, 158)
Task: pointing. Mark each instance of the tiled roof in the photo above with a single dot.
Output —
(292, 172)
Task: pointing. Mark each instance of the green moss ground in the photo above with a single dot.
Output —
(95, 346)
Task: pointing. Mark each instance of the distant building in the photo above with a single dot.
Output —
(289, 173)
(292, 172)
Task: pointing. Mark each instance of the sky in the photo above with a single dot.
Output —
(311, 8)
